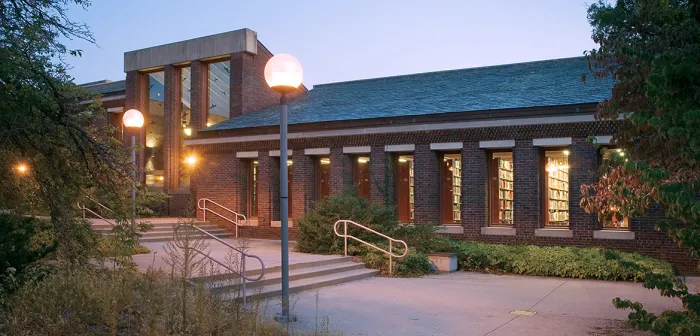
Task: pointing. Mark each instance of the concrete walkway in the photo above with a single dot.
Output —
(466, 303)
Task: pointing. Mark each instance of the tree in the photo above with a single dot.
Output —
(47, 122)
(651, 48)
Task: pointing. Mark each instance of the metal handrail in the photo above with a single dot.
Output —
(391, 240)
(202, 205)
(84, 208)
(99, 204)
(243, 254)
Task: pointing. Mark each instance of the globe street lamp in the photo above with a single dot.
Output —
(133, 119)
(283, 74)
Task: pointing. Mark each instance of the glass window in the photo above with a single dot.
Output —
(218, 94)
(289, 187)
(501, 188)
(361, 176)
(253, 189)
(557, 187)
(154, 129)
(610, 217)
(405, 189)
(185, 115)
(451, 193)
(323, 178)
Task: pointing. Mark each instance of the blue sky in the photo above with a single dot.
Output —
(344, 40)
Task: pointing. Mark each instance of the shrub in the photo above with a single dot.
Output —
(569, 262)
(25, 240)
(112, 247)
(316, 234)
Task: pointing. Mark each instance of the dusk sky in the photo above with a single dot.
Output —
(344, 40)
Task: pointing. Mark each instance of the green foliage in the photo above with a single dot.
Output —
(25, 240)
(316, 234)
(569, 262)
(652, 49)
(111, 247)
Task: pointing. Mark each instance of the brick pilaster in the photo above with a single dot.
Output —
(527, 172)
(382, 176)
(341, 171)
(303, 191)
(583, 162)
(136, 98)
(427, 185)
(198, 96)
(237, 63)
(172, 130)
(268, 198)
(474, 188)
(221, 177)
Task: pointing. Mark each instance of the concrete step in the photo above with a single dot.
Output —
(298, 285)
(231, 285)
(273, 269)
(163, 229)
(97, 226)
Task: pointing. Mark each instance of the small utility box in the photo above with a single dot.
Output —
(444, 262)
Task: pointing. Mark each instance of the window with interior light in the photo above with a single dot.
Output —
(154, 127)
(361, 176)
(252, 188)
(218, 92)
(556, 165)
(323, 169)
(405, 188)
(185, 117)
(451, 188)
(501, 188)
(610, 217)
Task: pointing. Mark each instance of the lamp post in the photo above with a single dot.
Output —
(283, 74)
(133, 119)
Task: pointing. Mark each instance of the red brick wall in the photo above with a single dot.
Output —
(528, 170)
(341, 171)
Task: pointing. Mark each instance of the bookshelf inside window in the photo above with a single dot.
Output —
(502, 188)
(557, 188)
(451, 199)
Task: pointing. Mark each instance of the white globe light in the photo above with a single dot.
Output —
(133, 118)
(283, 73)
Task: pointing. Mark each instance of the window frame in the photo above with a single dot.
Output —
(544, 181)
(492, 173)
(252, 179)
(626, 220)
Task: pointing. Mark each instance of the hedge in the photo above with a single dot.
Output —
(568, 262)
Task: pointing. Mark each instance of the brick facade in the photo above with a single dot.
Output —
(528, 172)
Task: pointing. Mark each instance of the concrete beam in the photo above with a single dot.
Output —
(317, 151)
(551, 142)
(242, 40)
(357, 150)
(400, 148)
(443, 146)
(246, 155)
(497, 144)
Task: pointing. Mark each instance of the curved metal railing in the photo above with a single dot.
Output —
(84, 208)
(236, 221)
(244, 255)
(391, 240)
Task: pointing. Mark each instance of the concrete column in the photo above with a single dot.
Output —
(341, 171)
(474, 189)
(427, 185)
(382, 176)
(303, 192)
(583, 163)
(527, 173)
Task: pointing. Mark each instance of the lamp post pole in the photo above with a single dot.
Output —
(283, 74)
(133, 180)
(284, 204)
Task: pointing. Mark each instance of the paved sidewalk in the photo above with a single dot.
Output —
(466, 303)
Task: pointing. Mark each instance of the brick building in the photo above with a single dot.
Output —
(492, 154)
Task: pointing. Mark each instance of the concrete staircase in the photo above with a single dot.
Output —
(302, 276)
(163, 229)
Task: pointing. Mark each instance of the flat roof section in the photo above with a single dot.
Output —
(242, 40)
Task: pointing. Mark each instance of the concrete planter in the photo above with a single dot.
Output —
(443, 262)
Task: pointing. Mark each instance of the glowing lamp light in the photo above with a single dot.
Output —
(362, 160)
(325, 161)
(289, 162)
(283, 73)
(133, 118)
(188, 131)
(191, 160)
(22, 168)
(566, 152)
(551, 167)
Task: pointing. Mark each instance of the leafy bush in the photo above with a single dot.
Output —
(111, 247)
(25, 240)
(569, 262)
(316, 234)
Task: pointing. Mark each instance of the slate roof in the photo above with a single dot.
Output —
(532, 84)
(106, 87)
